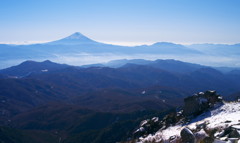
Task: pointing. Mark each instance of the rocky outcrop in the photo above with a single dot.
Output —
(148, 126)
(198, 103)
(193, 106)
(204, 118)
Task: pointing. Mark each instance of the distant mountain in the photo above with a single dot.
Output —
(175, 66)
(122, 62)
(167, 47)
(226, 69)
(217, 49)
(167, 73)
(77, 42)
(78, 46)
(28, 67)
(170, 65)
(93, 65)
(74, 39)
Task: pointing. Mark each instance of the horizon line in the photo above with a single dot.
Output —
(118, 43)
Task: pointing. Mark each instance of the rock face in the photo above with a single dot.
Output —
(187, 136)
(198, 103)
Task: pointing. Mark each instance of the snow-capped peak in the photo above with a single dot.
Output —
(74, 39)
(76, 35)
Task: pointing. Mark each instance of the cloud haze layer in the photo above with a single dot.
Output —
(80, 59)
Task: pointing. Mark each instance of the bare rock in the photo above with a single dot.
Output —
(187, 136)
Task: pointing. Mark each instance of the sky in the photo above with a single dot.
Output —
(123, 22)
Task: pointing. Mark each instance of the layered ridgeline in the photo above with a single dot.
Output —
(78, 49)
(129, 74)
(204, 117)
(46, 102)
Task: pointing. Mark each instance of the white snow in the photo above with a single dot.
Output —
(201, 93)
(141, 129)
(215, 118)
(236, 126)
(171, 131)
(162, 135)
(212, 91)
(143, 122)
(229, 112)
(155, 119)
(45, 70)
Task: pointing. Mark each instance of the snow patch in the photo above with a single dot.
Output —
(224, 116)
(45, 70)
(143, 122)
(143, 92)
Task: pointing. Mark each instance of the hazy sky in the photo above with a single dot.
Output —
(121, 21)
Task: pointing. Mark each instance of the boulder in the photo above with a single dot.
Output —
(187, 136)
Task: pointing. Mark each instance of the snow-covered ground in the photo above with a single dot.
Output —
(220, 117)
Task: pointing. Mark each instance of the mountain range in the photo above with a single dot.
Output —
(76, 47)
(71, 102)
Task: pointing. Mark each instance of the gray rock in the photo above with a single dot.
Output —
(234, 134)
(187, 136)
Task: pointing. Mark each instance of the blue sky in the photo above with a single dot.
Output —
(121, 21)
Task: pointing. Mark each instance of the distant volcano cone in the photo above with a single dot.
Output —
(74, 39)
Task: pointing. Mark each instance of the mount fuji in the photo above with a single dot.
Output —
(75, 39)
